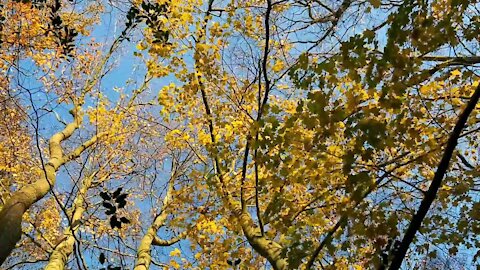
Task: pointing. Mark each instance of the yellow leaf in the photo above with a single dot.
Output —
(455, 73)
(141, 46)
(175, 252)
(174, 264)
(279, 65)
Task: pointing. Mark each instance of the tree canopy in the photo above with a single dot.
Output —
(240, 134)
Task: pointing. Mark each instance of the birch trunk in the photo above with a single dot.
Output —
(59, 256)
(150, 239)
(13, 210)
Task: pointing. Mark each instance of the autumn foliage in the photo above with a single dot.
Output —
(252, 134)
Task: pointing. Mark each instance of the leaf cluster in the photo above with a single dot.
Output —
(112, 202)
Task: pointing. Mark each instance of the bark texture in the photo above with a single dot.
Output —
(150, 239)
(59, 256)
(269, 249)
(13, 210)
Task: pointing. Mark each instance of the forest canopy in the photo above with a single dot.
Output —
(239, 134)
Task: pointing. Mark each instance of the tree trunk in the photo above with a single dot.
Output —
(269, 249)
(144, 257)
(13, 210)
(59, 256)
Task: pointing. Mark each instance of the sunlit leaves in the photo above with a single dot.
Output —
(361, 98)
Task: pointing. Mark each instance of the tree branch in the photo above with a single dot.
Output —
(164, 243)
(431, 194)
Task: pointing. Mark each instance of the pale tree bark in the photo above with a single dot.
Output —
(150, 238)
(16, 205)
(13, 210)
(59, 256)
(268, 248)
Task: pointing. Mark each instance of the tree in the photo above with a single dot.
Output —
(341, 149)
(296, 134)
(49, 45)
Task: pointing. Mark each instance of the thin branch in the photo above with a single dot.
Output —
(164, 243)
